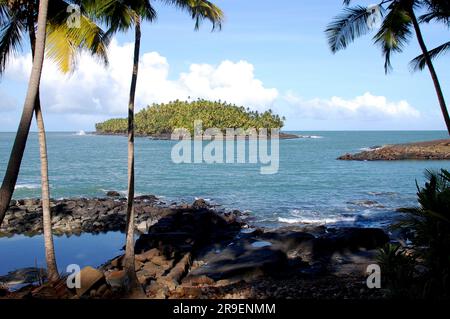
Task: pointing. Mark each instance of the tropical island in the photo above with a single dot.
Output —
(158, 121)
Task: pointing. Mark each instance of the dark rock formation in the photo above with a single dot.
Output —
(432, 150)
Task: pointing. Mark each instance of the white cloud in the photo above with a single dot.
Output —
(364, 107)
(7, 102)
(95, 89)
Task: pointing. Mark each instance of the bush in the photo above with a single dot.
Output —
(428, 263)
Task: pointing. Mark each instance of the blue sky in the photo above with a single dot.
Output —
(269, 54)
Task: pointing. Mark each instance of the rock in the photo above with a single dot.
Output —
(162, 261)
(89, 278)
(198, 281)
(200, 204)
(24, 276)
(112, 194)
(238, 261)
(429, 150)
(142, 227)
(351, 238)
(157, 290)
(117, 279)
(285, 240)
(151, 270)
(180, 268)
(138, 265)
(147, 255)
(147, 198)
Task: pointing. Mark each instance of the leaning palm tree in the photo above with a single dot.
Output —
(398, 21)
(18, 18)
(121, 16)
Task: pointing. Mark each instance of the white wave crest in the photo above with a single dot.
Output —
(27, 186)
(316, 221)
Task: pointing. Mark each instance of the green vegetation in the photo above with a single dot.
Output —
(423, 269)
(164, 118)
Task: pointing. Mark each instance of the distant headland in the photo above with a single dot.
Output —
(430, 150)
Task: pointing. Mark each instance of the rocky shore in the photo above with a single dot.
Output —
(193, 251)
(74, 216)
(431, 150)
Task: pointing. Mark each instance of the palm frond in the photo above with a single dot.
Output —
(200, 10)
(4, 12)
(116, 15)
(394, 33)
(438, 10)
(59, 48)
(63, 43)
(346, 27)
(10, 39)
(419, 62)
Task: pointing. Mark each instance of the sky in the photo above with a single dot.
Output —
(268, 55)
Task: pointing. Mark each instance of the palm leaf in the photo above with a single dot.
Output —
(438, 10)
(394, 33)
(10, 38)
(200, 10)
(419, 62)
(346, 27)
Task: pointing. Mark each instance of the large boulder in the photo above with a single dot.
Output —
(89, 279)
(112, 194)
(241, 262)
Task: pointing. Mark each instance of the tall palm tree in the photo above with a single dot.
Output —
(121, 16)
(21, 16)
(399, 19)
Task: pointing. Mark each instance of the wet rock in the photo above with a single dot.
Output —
(200, 204)
(112, 194)
(24, 276)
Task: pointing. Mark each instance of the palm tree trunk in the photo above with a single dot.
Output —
(430, 66)
(52, 269)
(15, 159)
(129, 248)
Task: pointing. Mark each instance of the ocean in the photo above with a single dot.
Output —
(310, 187)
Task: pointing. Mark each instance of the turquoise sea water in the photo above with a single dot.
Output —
(310, 187)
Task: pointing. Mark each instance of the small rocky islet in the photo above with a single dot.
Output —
(196, 251)
(429, 150)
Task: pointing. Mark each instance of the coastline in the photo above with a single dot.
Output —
(194, 251)
(428, 150)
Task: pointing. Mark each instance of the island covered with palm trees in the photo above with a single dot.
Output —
(159, 121)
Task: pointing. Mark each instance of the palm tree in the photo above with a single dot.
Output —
(399, 19)
(121, 16)
(19, 15)
(10, 34)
